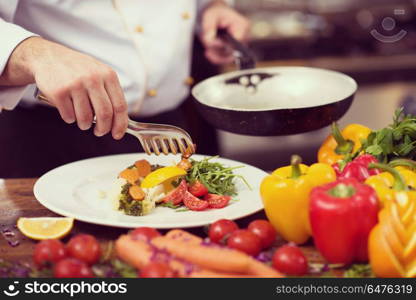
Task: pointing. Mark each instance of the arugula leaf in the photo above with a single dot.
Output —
(182, 209)
(169, 204)
(217, 178)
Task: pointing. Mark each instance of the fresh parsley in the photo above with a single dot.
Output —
(398, 140)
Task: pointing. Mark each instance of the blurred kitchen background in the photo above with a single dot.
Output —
(373, 41)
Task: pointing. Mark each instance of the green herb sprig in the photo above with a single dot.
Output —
(359, 271)
(398, 140)
(216, 177)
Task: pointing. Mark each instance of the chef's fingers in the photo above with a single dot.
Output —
(62, 101)
(82, 108)
(221, 45)
(219, 52)
(218, 56)
(238, 26)
(101, 104)
(116, 95)
(209, 25)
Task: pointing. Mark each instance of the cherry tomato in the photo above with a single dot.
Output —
(48, 252)
(290, 260)
(217, 201)
(220, 229)
(72, 268)
(176, 196)
(144, 233)
(193, 203)
(84, 247)
(157, 270)
(245, 241)
(198, 189)
(264, 230)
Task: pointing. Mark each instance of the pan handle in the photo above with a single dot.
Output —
(243, 56)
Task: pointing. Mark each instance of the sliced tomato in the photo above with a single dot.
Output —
(217, 201)
(176, 196)
(198, 189)
(194, 203)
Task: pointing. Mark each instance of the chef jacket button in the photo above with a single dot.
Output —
(138, 29)
(189, 80)
(152, 93)
(186, 15)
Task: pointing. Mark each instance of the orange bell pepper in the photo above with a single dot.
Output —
(340, 144)
(392, 242)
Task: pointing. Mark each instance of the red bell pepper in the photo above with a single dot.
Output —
(342, 214)
(358, 168)
(366, 159)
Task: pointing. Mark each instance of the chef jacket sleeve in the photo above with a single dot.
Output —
(11, 35)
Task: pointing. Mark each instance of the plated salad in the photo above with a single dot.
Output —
(188, 185)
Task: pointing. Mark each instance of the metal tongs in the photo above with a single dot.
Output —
(154, 138)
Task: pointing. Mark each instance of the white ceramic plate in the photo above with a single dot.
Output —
(79, 190)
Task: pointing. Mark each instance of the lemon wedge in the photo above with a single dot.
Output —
(161, 175)
(45, 228)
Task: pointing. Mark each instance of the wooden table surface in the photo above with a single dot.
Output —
(17, 200)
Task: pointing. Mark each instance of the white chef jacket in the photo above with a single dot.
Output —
(147, 42)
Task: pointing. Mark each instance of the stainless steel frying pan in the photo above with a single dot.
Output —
(272, 101)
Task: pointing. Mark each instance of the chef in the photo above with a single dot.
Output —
(103, 58)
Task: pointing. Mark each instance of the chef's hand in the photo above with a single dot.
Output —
(77, 84)
(219, 15)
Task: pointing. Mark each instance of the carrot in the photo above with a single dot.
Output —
(222, 275)
(138, 254)
(131, 175)
(184, 236)
(136, 192)
(255, 267)
(218, 259)
(259, 269)
(215, 258)
(143, 167)
(134, 252)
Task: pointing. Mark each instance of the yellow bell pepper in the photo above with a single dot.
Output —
(392, 242)
(340, 144)
(285, 195)
(394, 180)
